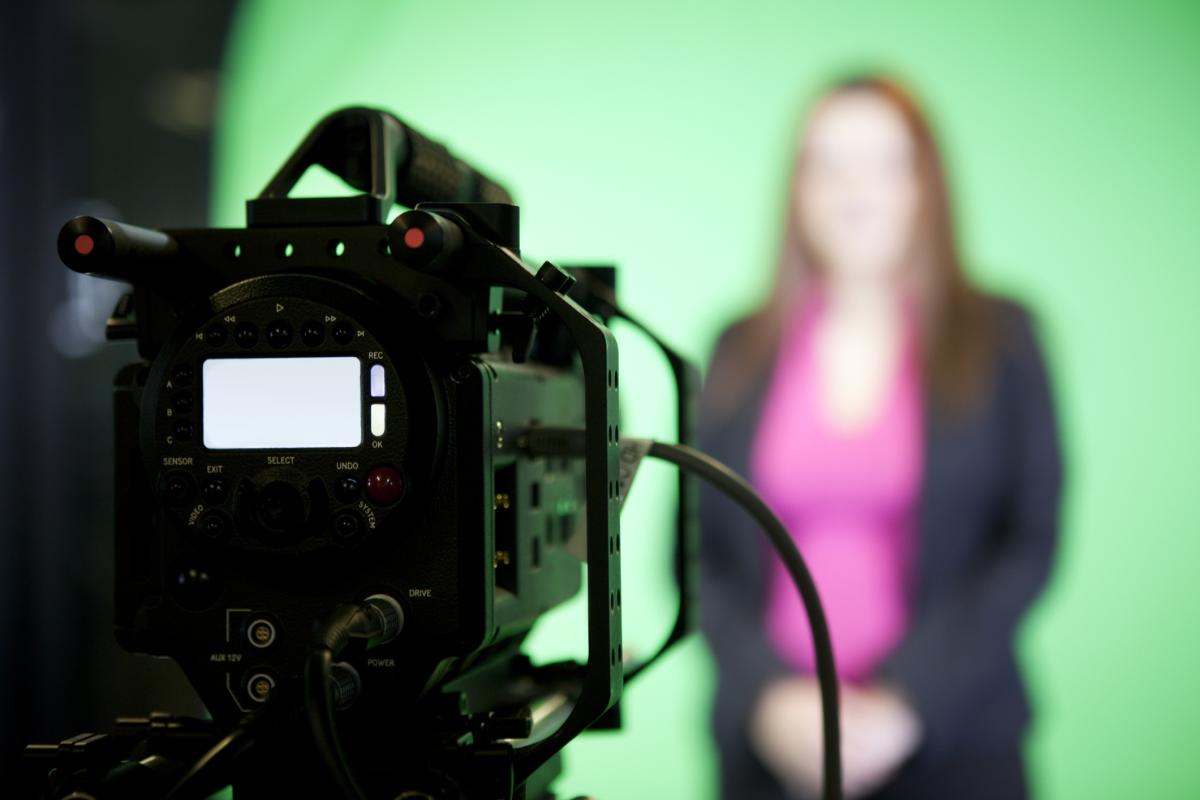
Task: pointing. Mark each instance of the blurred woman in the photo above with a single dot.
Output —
(899, 421)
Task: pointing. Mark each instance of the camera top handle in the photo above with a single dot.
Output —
(376, 153)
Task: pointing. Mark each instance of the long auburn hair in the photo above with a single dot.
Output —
(956, 320)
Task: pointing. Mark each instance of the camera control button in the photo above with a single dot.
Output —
(183, 375)
(312, 333)
(385, 485)
(343, 332)
(178, 487)
(182, 402)
(279, 334)
(214, 526)
(246, 335)
(215, 491)
(348, 527)
(378, 380)
(280, 509)
(378, 419)
(348, 488)
(184, 431)
(215, 335)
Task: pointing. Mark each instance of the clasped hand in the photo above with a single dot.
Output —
(880, 731)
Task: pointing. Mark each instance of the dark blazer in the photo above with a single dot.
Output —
(988, 524)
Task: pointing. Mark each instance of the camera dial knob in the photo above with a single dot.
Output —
(281, 510)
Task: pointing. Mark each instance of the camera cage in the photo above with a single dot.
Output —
(390, 163)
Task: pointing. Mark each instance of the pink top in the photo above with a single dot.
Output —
(849, 500)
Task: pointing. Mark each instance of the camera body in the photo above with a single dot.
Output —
(329, 414)
(264, 488)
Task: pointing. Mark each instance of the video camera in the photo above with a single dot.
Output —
(358, 461)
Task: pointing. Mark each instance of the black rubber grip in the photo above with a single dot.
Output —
(113, 249)
(431, 174)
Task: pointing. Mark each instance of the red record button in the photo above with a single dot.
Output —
(384, 485)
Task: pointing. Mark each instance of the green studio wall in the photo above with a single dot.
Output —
(656, 136)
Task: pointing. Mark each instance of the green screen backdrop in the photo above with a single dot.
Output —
(656, 136)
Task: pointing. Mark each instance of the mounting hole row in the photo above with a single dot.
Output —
(616, 654)
(614, 600)
(335, 248)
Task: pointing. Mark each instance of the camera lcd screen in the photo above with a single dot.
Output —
(277, 403)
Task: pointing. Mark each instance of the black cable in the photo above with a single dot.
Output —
(318, 707)
(329, 637)
(378, 620)
(229, 747)
(733, 486)
(569, 442)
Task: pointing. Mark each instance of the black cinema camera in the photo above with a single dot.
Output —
(358, 462)
(331, 411)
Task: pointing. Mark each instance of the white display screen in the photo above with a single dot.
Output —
(274, 403)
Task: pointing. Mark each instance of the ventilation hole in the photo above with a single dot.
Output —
(337, 248)
(284, 250)
(385, 249)
(233, 250)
